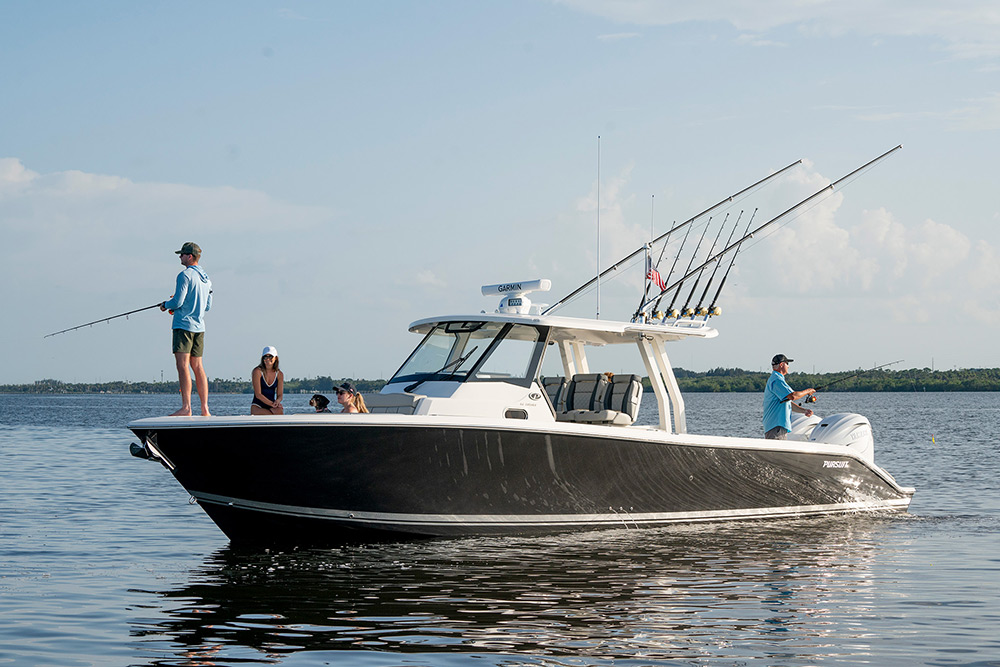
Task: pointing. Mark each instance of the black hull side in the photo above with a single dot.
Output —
(343, 482)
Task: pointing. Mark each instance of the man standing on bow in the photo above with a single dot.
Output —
(778, 400)
(191, 300)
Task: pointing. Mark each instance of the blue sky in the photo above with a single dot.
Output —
(351, 167)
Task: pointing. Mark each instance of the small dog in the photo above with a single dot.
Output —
(319, 401)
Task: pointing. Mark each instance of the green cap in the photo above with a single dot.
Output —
(189, 248)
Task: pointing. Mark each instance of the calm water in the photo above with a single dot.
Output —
(104, 562)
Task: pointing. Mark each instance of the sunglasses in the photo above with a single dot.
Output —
(342, 391)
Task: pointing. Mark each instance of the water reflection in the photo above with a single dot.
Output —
(794, 590)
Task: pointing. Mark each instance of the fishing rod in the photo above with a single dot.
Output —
(650, 266)
(670, 274)
(827, 189)
(105, 319)
(812, 398)
(684, 309)
(680, 283)
(711, 278)
(614, 267)
(711, 310)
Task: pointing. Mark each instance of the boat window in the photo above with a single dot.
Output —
(513, 357)
(449, 351)
(490, 351)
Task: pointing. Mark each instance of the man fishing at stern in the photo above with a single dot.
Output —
(192, 298)
(778, 400)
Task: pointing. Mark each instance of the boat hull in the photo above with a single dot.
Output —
(361, 481)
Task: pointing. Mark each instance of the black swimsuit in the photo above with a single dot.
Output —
(269, 391)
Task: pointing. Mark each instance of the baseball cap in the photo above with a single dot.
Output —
(189, 248)
(778, 358)
(270, 349)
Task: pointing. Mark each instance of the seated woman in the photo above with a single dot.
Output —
(349, 397)
(268, 385)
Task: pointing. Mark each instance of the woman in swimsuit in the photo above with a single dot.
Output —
(268, 385)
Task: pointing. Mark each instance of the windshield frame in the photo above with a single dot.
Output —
(467, 346)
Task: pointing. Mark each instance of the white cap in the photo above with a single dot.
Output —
(270, 349)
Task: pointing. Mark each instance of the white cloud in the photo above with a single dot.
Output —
(879, 229)
(13, 174)
(909, 270)
(968, 28)
(427, 278)
(71, 224)
(751, 39)
(619, 235)
(617, 36)
(978, 114)
(90, 245)
(974, 115)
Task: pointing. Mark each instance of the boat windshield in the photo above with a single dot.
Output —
(476, 351)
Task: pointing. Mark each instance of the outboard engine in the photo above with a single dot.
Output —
(802, 426)
(851, 430)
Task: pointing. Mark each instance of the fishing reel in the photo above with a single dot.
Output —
(811, 398)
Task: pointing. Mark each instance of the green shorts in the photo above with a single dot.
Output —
(190, 342)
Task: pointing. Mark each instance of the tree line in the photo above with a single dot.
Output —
(322, 384)
(715, 380)
(913, 379)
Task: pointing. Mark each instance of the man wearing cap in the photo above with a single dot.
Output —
(191, 300)
(778, 400)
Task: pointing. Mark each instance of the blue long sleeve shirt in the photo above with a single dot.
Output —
(192, 299)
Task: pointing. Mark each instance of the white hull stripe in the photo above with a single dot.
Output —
(388, 519)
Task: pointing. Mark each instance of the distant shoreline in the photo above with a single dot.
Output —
(718, 380)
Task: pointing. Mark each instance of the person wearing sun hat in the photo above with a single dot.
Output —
(268, 384)
(779, 400)
(192, 298)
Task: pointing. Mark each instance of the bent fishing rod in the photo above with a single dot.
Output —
(614, 267)
(821, 191)
(105, 319)
(108, 319)
(812, 398)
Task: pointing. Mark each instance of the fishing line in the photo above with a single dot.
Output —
(847, 182)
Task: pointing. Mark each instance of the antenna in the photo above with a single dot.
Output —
(598, 226)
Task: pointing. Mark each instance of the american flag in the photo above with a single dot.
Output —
(654, 275)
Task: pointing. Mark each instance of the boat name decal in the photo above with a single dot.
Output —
(510, 287)
(835, 464)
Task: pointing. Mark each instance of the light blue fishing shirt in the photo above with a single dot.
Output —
(777, 413)
(191, 300)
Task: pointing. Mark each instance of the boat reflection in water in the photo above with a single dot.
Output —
(468, 438)
(791, 588)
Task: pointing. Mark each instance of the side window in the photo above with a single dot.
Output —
(511, 357)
